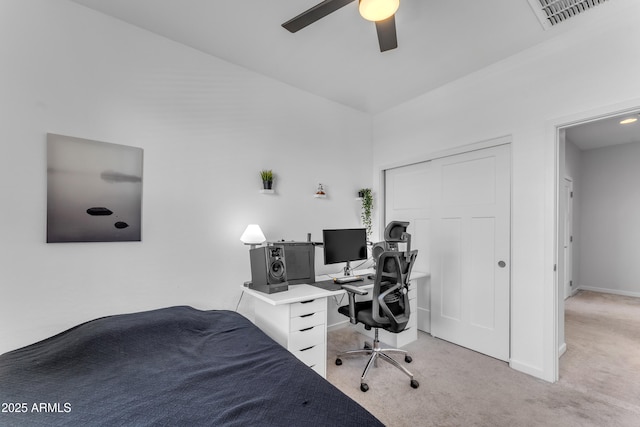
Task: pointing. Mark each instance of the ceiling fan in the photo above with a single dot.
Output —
(382, 12)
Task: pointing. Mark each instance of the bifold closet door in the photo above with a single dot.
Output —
(470, 250)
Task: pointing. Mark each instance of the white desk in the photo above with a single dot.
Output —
(297, 320)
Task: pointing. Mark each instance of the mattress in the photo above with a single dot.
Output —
(175, 366)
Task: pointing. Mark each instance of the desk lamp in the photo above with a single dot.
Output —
(253, 236)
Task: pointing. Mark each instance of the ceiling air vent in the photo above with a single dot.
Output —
(552, 12)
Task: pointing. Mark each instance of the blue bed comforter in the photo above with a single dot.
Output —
(176, 366)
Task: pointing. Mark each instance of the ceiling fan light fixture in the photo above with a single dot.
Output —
(377, 10)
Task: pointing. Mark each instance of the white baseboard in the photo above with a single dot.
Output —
(529, 369)
(424, 320)
(338, 325)
(609, 291)
(563, 349)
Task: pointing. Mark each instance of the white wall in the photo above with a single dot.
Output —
(207, 127)
(525, 96)
(609, 225)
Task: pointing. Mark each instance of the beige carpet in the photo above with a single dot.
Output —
(599, 376)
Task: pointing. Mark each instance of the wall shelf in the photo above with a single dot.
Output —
(267, 191)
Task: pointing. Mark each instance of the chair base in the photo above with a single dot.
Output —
(375, 353)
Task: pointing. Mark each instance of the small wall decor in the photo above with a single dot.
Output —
(366, 198)
(94, 191)
(267, 179)
(320, 193)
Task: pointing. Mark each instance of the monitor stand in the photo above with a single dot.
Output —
(347, 269)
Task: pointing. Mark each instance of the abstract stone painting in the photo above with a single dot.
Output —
(94, 191)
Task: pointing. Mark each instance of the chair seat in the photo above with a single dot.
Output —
(364, 314)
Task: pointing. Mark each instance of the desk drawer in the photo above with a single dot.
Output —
(307, 338)
(312, 356)
(307, 320)
(320, 369)
(308, 307)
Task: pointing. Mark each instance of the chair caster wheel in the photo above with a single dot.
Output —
(364, 387)
(367, 346)
(415, 384)
(338, 361)
(408, 359)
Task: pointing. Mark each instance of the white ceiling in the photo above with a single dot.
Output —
(605, 132)
(338, 57)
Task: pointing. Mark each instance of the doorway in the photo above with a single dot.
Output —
(596, 201)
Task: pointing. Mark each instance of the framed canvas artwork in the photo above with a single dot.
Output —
(94, 191)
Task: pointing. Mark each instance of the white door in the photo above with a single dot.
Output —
(470, 250)
(568, 237)
(407, 199)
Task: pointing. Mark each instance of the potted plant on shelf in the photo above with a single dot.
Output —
(267, 178)
(367, 209)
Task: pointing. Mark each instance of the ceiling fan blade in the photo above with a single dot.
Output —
(317, 12)
(387, 38)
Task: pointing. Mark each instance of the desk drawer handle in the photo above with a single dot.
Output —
(308, 348)
(307, 315)
(307, 302)
(307, 329)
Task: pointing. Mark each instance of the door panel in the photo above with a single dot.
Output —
(422, 228)
(468, 182)
(568, 237)
(408, 188)
(470, 264)
(451, 249)
(482, 270)
(407, 199)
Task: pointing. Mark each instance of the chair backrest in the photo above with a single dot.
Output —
(391, 289)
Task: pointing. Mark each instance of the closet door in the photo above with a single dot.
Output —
(407, 199)
(470, 250)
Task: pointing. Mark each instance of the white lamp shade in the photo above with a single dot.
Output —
(252, 235)
(378, 10)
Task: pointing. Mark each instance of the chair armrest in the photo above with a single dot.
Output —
(354, 289)
(351, 292)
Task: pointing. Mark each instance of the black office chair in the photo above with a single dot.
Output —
(389, 307)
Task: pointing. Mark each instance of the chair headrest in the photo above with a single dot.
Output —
(377, 249)
(396, 231)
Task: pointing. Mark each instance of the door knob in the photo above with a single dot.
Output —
(502, 264)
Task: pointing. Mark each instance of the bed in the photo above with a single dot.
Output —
(175, 366)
